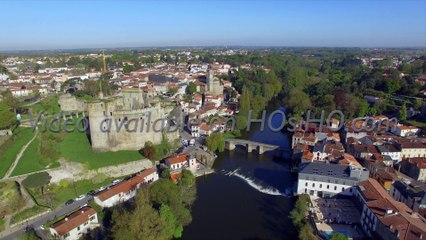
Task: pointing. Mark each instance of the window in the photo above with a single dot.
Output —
(343, 189)
(78, 228)
(92, 218)
(313, 184)
(328, 186)
(335, 187)
(320, 185)
(306, 184)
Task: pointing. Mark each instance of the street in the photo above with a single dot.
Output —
(39, 221)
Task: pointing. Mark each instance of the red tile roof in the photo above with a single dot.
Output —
(74, 220)
(177, 158)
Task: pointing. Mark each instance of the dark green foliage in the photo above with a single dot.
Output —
(37, 180)
(216, 142)
(161, 210)
(299, 217)
(337, 236)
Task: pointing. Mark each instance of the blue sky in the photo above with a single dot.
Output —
(80, 24)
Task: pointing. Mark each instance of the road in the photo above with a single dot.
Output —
(39, 221)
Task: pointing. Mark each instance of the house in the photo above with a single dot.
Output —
(405, 131)
(195, 130)
(384, 218)
(149, 175)
(412, 149)
(390, 150)
(415, 168)
(412, 194)
(75, 225)
(326, 180)
(126, 189)
(179, 162)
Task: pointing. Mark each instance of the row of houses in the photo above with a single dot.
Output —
(75, 225)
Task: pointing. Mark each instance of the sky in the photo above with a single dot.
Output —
(67, 24)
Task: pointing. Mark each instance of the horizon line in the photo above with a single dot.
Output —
(206, 46)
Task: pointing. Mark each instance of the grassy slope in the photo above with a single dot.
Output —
(12, 148)
(30, 160)
(76, 147)
(49, 105)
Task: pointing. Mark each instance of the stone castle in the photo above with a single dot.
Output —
(134, 118)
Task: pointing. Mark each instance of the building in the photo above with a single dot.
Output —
(179, 162)
(384, 218)
(75, 225)
(412, 150)
(126, 189)
(390, 150)
(411, 194)
(129, 121)
(326, 180)
(415, 168)
(405, 131)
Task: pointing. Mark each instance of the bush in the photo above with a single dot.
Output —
(64, 183)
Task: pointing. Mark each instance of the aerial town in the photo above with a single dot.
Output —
(366, 180)
(269, 137)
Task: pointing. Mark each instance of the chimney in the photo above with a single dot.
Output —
(389, 211)
(66, 219)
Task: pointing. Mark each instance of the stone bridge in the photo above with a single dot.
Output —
(260, 148)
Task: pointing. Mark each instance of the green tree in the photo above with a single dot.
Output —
(143, 222)
(216, 142)
(188, 188)
(37, 180)
(191, 88)
(245, 100)
(298, 101)
(128, 68)
(11, 101)
(403, 112)
(7, 117)
(169, 220)
(338, 236)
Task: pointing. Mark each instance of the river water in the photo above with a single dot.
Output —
(248, 196)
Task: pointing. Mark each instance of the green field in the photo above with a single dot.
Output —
(10, 149)
(76, 148)
(30, 160)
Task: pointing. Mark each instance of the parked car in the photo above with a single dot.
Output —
(91, 193)
(69, 202)
(81, 197)
(116, 181)
(102, 188)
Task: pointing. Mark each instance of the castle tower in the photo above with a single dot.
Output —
(213, 84)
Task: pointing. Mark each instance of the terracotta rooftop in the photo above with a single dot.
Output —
(74, 220)
(177, 158)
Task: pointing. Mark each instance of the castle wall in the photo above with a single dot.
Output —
(137, 125)
(69, 103)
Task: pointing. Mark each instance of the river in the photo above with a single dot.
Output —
(248, 196)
